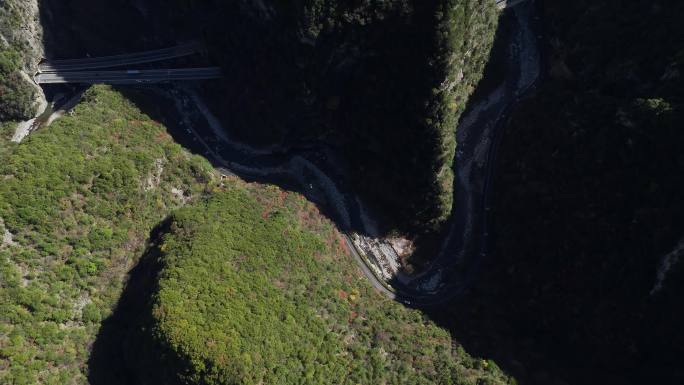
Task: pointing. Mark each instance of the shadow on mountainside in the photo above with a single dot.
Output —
(521, 326)
(124, 351)
(82, 28)
(585, 279)
(113, 351)
(259, 97)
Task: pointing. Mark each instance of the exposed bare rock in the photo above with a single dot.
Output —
(7, 237)
(402, 247)
(29, 34)
(154, 179)
(24, 32)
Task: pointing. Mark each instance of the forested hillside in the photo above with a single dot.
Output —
(256, 287)
(589, 215)
(77, 202)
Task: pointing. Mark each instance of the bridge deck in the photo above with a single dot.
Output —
(128, 77)
(119, 60)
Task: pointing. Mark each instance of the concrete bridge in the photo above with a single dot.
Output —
(119, 60)
(128, 76)
(87, 71)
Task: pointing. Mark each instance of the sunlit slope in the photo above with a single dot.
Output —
(78, 200)
(257, 288)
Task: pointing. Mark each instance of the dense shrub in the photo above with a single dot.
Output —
(74, 241)
(255, 287)
(16, 96)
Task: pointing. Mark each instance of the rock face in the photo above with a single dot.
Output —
(22, 30)
(21, 49)
(32, 35)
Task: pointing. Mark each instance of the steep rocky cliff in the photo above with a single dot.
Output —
(21, 49)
